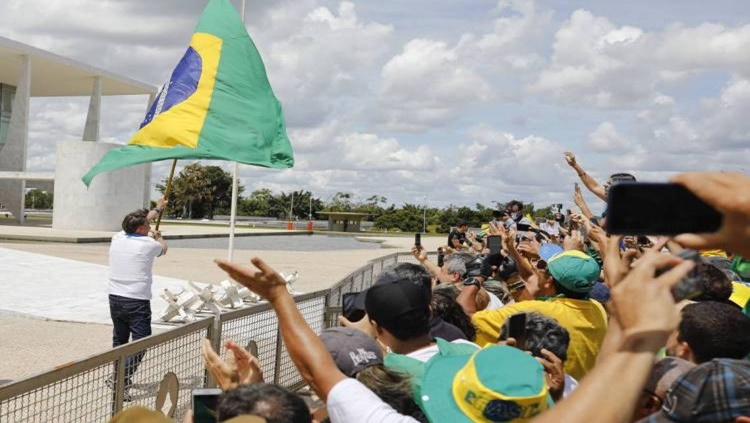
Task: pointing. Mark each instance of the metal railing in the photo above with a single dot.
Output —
(93, 389)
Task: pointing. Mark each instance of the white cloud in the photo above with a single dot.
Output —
(352, 78)
(606, 139)
(425, 85)
(727, 122)
(430, 82)
(321, 60)
(497, 161)
(599, 64)
(328, 147)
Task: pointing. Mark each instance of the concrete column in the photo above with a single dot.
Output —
(13, 157)
(110, 197)
(93, 118)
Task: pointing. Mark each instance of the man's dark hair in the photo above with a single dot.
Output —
(272, 402)
(516, 203)
(715, 330)
(134, 220)
(568, 293)
(462, 223)
(544, 332)
(444, 305)
(716, 284)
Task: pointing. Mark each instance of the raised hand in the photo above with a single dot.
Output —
(570, 157)
(264, 281)
(362, 325)
(578, 196)
(553, 369)
(574, 241)
(247, 365)
(642, 302)
(729, 193)
(616, 267)
(419, 253)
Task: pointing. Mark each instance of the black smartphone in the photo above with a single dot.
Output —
(349, 308)
(205, 402)
(515, 327)
(523, 227)
(418, 240)
(440, 256)
(658, 209)
(494, 243)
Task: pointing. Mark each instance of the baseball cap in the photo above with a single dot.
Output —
(547, 251)
(352, 349)
(664, 373)
(496, 383)
(393, 301)
(574, 270)
(715, 391)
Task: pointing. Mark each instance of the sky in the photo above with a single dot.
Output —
(456, 101)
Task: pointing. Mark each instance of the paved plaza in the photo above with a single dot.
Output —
(54, 309)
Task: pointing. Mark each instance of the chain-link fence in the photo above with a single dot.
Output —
(93, 389)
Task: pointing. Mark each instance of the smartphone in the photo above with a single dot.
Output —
(691, 285)
(658, 209)
(349, 308)
(494, 243)
(522, 227)
(440, 256)
(418, 240)
(515, 327)
(205, 403)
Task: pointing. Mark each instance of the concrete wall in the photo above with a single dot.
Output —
(110, 197)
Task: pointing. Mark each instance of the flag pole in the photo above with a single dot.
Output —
(235, 184)
(166, 192)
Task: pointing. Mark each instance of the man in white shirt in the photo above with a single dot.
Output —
(131, 258)
(347, 399)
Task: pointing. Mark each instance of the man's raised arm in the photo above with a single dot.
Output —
(307, 351)
(587, 180)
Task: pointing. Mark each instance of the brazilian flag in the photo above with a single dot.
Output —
(218, 104)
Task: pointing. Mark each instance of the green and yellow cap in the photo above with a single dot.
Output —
(494, 384)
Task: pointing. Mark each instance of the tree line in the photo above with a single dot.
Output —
(206, 191)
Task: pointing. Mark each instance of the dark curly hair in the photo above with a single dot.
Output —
(444, 304)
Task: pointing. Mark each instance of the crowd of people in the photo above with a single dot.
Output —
(526, 319)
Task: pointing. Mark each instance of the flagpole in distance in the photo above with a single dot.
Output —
(166, 192)
(235, 177)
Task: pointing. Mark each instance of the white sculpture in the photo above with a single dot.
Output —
(213, 298)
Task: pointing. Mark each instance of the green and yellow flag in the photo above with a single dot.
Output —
(218, 104)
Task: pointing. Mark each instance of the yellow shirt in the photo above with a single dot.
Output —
(740, 294)
(585, 320)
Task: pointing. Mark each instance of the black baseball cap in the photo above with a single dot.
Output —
(393, 300)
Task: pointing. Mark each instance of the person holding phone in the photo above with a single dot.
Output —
(565, 284)
(457, 236)
(591, 183)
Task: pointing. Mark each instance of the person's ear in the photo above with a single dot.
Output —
(376, 326)
(653, 404)
(684, 351)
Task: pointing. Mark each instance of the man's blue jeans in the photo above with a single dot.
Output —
(129, 317)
